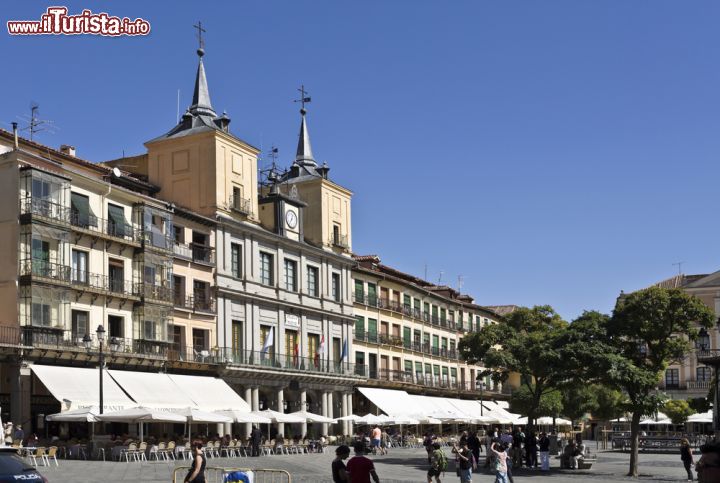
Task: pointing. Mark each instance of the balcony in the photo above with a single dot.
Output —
(710, 357)
(59, 339)
(195, 303)
(340, 241)
(698, 385)
(151, 291)
(197, 253)
(55, 213)
(39, 269)
(101, 283)
(236, 357)
(241, 205)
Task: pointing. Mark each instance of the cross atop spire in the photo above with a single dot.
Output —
(201, 43)
(304, 155)
(201, 104)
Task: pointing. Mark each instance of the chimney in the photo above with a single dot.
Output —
(67, 149)
(15, 135)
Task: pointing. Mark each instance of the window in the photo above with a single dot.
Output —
(179, 234)
(79, 324)
(359, 291)
(672, 378)
(406, 337)
(266, 268)
(703, 374)
(237, 197)
(360, 327)
(372, 330)
(312, 281)
(41, 315)
(443, 316)
(201, 295)
(200, 340)
(179, 290)
(116, 275)
(359, 358)
(236, 260)
(117, 226)
(79, 267)
(336, 287)
(237, 336)
(372, 293)
(80, 214)
(290, 275)
(40, 189)
(406, 303)
(149, 330)
(149, 273)
(418, 372)
(703, 340)
(40, 250)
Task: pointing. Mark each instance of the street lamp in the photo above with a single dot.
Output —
(87, 341)
(481, 383)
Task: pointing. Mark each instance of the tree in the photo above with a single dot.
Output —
(522, 402)
(526, 342)
(611, 403)
(677, 410)
(648, 330)
(699, 404)
(578, 400)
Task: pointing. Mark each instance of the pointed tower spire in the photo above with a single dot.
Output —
(304, 155)
(201, 105)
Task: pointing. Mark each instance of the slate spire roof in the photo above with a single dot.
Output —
(201, 105)
(304, 155)
(200, 116)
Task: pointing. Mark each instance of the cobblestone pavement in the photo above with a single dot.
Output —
(398, 465)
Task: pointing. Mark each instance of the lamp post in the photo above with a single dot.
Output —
(481, 383)
(87, 340)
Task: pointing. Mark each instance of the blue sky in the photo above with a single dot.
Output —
(549, 152)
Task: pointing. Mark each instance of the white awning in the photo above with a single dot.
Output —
(392, 402)
(153, 390)
(210, 394)
(78, 387)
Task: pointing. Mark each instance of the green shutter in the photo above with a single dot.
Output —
(360, 327)
(80, 211)
(372, 294)
(359, 291)
(408, 366)
(372, 330)
(406, 337)
(435, 340)
(117, 225)
(418, 367)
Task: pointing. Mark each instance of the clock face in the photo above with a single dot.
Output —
(291, 219)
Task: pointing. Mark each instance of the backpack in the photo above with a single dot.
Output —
(238, 477)
(442, 460)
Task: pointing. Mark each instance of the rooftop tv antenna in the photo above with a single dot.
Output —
(442, 272)
(679, 265)
(34, 123)
(461, 281)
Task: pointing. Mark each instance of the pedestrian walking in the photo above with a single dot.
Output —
(339, 470)
(465, 461)
(360, 468)
(531, 450)
(255, 439)
(474, 445)
(686, 457)
(376, 435)
(544, 444)
(196, 474)
(438, 463)
(499, 463)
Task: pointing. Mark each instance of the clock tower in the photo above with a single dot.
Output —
(282, 213)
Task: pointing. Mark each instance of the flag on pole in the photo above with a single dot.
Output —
(344, 354)
(321, 349)
(268, 341)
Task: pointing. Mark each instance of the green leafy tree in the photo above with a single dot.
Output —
(677, 410)
(611, 403)
(699, 404)
(578, 400)
(648, 330)
(522, 402)
(526, 342)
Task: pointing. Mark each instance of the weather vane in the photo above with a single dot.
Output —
(303, 98)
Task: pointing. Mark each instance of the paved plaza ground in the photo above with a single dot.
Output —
(398, 465)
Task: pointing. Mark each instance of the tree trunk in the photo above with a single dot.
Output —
(634, 443)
